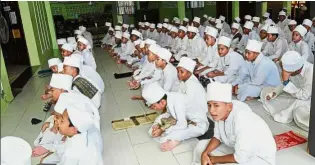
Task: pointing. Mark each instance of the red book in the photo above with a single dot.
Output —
(288, 139)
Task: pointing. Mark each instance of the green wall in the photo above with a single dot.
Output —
(7, 96)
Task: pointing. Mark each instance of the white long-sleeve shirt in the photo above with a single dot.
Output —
(247, 134)
(170, 82)
(156, 76)
(90, 73)
(211, 57)
(201, 31)
(243, 42)
(276, 49)
(304, 49)
(88, 58)
(153, 35)
(227, 28)
(126, 50)
(310, 39)
(146, 71)
(196, 48)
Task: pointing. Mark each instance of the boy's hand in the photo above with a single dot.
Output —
(205, 159)
(38, 151)
(45, 126)
(158, 132)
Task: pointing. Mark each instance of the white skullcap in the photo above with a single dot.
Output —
(153, 93)
(164, 54)
(15, 151)
(307, 22)
(186, 19)
(73, 61)
(292, 22)
(136, 32)
(68, 47)
(154, 48)
(219, 25)
(118, 35)
(61, 41)
(132, 25)
(149, 41)
(165, 25)
(313, 19)
(282, 13)
(265, 27)
(237, 19)
(304, 8)
(174, 29)
(266, 15)
(269, 21)
(209, 18)
(126, 35)
(222, 18)
(80, 118)
(196, 19)
(60, 67)
(177, 21)
(111, 29)
(212, 20)
(187, 64)
(61, 81)
(217, 21)
(117, 28)
(212, 32)
(205, 16)
(256, 19)
(142, 43)
(249, 25)
(137, 42)
(183, 28)
(85, 42)
(169, 27)
(235, 25)
(125, 26)
(159, 25)
(300, 29)
(292, 61)
(78, 32)
(82, 28)
(147, 24)
(142, 24)
(139, 23)
(62, 103)
(192, 29)
(152, 26)
(108, 24)
(254, 45)
(53, 62)
(248, 17)
(166, 20)
(219, 92)
(273, 30)
(225, 41)
(175, 18)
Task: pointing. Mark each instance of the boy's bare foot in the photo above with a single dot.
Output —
(137, 98)
(169, 145)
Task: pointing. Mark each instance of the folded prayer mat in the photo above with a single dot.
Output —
(288, 139)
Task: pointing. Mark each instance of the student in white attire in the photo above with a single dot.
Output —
(86, 35)
(247, 18)
(204, 20)
(288, 34)
(240, 136)
(263, 35)
(124, 28)
(127, 48)
(201, 29)
(15, 150)
(60, 42)
(185, 22)
(86, 50)
(292, 99)
(248, 33)
(309, 36)
(187, 121)
(182, 43)
(153, 34)
(196, 48)
(257, 25)
(235, 35)
(283, 21)
(175, 39)
(313, 26)
(226, 26)
(299, 45)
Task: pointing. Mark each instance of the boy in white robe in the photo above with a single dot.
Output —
(235, 35)
(181, 43)
(288, 34)
(175, 39)
(116, 48)
(127, 48)
(292, 99)
(283, 21)
(257, 25)
(248, 33)
(241, 137)
(309, 37)
(187, 122)
(108, 39)
(201, 29)
(258, 73)
(87, 35)
(125, 28)
(15, 150)
(196, 48)
(85, 48)
(158, 33)
(66, 50)
(226, 27)
(264, 36)
(153, 34)
(299, 45)
(60, 42)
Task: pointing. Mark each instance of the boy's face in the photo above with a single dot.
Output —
(124, 40)
(191, 35)
(159, 106)
(292, 27)
(181, 34)
(81, 46)
(183, 74)
(68, 70)
(152, 29)
(281, 18)
(263, 34)
(250, 55)
(54, 69)
(173, 34)
(219, 110)
(296, 37)
(233, 30)
(159, 62)
(185, 23)
(134, 37)
(55, 94)
(65, 53)
(111, 33)
(222, 50)
(151, 57)
(246, 31)
(209, 40)
(117, 40)
(271, 38)
(159, 30)
(123, 29)
(64, 127)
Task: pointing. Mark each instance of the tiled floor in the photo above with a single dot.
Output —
(126, 147)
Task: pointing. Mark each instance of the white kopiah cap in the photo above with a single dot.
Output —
(152, 26)
(118, 28)
(254, 45)
(61, 41)
(313, 19)
(136, 32)
(68, 47)
(248, 17)
(212, 32)
(219, 92)
(53, 62)
(249, 25)
(273, 30)
(175, 18)
(72, 61)
(212, 20)
(126, 35)
(282, 13)
(153, 93)
(300, 29)
(236, 26)
(192, 29)
(205, 16)
(159, 25)
(166, 20)
(225, 41)
(256, 19)
(265, 27)
(177, 21)
(61, 81)
(237, 19)
(118, 35)
(266, 15)
(217, 21)
(132, 25)
(80, 118)
(196, 19)
(292, 22)
(186, 19)
(108, 24)
(174, 29)
(164, 54)
(154, 48)
(209, 18)
(187, 64)
(111, 29)
(222, 18)
(125, 26)
(183, 28)
(85, 42)
(147, 24)
(292, 61)
(15, 151)
(149, 41)
(307, 22)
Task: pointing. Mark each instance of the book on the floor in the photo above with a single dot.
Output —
(134, 121)
(288, 139)
(123, 75)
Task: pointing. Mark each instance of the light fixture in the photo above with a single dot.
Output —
(90, 3)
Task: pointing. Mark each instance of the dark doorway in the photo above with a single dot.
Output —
(247, 8)
(15, 51)
(147, 15)
(225, 9)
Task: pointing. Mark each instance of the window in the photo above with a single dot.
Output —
(125, 7)
(195, 4)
